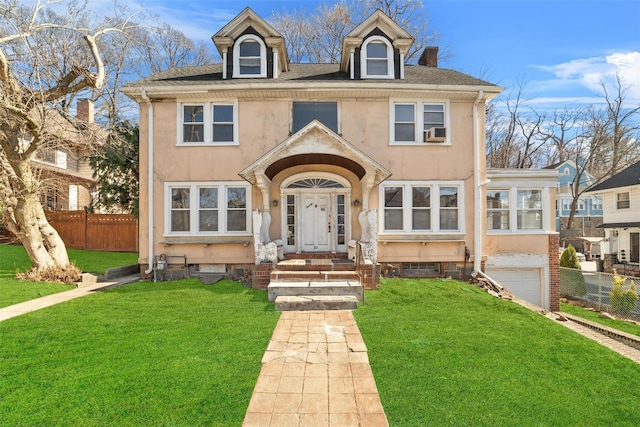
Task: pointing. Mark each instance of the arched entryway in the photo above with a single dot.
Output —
(315, 212)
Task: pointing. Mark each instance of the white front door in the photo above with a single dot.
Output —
(315, 222)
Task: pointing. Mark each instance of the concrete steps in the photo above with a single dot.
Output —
(315, 284)
(316, 302)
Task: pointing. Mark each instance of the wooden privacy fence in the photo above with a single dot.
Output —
(96, 232)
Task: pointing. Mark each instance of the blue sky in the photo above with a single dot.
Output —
(561, 49)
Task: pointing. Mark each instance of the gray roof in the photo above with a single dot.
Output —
(624, 178)
(212, 74)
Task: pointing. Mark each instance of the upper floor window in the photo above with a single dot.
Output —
(209, 123)
(419, 123)
(622, 200)
(249, 57)
(597, 203)
(377, 58)
(305, 112)
(207, 208)
(421, 207)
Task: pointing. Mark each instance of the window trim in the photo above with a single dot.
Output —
(364, 59)
(207, 124)
(338, 121)
(628, 200)
(513, 210)
(407, 208)
(194, 208)
(236, 57)
(418, 112)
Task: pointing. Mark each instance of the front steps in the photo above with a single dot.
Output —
(315, 284)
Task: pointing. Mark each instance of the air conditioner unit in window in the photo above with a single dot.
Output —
(435, 135)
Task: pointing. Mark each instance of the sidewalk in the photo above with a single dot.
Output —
(49, 300)
(315, 372)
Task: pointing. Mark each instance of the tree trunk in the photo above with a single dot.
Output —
(26, 219)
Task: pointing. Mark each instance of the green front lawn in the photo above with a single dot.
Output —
(147, 354)
(13, 258)
(446, 353)
(594, 316)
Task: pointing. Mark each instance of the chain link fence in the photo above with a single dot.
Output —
(616, 294)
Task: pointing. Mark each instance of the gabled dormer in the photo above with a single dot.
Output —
(251, 48)
(375, 49)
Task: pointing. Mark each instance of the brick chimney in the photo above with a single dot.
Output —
(84, 110)
(429, 57)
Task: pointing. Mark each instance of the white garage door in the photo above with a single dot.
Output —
(525, 283)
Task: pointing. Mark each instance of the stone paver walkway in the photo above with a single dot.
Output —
(315, 372)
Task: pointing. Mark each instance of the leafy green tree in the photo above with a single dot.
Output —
(115, 167)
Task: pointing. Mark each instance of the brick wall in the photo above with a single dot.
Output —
(261, 276)
(554, 273)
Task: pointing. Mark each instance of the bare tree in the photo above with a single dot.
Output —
(317, 36)
(514, 138)
(34, 96)
(410, 15)
(619, 125)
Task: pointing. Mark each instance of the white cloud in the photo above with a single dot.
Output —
(591, 72)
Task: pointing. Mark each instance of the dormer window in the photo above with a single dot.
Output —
(249, 57)
(377, 59)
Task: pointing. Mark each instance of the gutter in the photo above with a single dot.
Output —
(477, 227)
(146, 99)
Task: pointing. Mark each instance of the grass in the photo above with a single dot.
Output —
(446, 353)
(164, 354)
(14, 258)
(594, 316)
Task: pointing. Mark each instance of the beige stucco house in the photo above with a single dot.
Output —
(257, 153)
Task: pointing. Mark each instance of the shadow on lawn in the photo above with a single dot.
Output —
(223, 287)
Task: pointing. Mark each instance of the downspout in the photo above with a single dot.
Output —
(477, 226)
(150, 184)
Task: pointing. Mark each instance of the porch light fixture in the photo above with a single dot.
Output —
(356, 202)
(275, 203)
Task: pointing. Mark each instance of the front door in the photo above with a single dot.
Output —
(634, 252)
(315, 222)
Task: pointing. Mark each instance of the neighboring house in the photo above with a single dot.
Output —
(588, 215)
(66, 177)
(369, 150)
(621, 195)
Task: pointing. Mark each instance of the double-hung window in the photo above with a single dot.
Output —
(419, 123)
(208, 123)
(421, 207)
(529, 209)
(515, 209)
(207, 208)
(497, 209)
(377, 58)
(249, 57)
(623, 201)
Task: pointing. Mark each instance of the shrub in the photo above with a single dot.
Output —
(623, 300)
(571, 278)
(569, 258)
